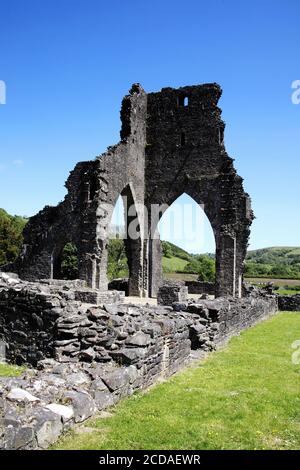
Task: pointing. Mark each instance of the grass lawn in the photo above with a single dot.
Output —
(181, 276)
(7, 370)
(246, 396)
(287, 291)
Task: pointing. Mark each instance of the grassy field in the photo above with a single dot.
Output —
(286, 286)
(277, 282)
(7, 370)
(173, 264)
(181, 276)
(243, 397)
(288, 291)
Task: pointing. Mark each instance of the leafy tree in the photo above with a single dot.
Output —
(207, 271)
(204, 266)
(69, 262)
(281, 271)
(11, 238)
(192, 267)
(167, 250)
(117, 265)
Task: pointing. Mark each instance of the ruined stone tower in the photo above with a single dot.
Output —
(172, 142)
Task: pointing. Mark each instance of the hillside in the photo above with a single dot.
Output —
(273, 262)
(276, 261)
(285, 254)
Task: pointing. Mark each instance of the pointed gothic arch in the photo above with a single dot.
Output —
(132, 240)
(171, 142)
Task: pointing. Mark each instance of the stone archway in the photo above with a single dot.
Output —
(185, 224)
(133, 240)
(230, 238)
(172, 142)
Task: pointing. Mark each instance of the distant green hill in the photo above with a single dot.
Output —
(169, 250)
(177, 260)
(275, 253)
(275, 261)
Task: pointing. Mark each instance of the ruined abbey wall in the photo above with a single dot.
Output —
(87, 357)
(185, 153)
(172, 142)
(45, 320)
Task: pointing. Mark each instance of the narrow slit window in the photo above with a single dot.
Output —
(92, 188)
(182, 139)
(182, 100)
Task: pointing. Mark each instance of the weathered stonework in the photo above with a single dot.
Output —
(200, 287)
(170, 292)
(194, 287)
(88, 357)
(289, 303)
(172, 142)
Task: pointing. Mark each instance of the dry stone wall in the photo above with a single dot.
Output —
(87, 357)
(200, 287)
(289, 302)
(170, 292)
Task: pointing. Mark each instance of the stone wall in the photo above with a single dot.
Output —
(39, 321)
(87, 357)
(185, 153)
(224, 317)
(200, 287)
(120, 284)
(171, 292)
(172, 142)
(289, 302)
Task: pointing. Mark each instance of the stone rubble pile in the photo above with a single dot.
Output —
(40, 404)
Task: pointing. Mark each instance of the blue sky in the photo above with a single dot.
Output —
(67, 65)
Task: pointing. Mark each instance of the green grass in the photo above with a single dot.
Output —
(287, 291)
(173, 264)
(243, 397)
(7, 370)
(181, 276)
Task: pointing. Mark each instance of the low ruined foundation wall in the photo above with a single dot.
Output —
(172, 291)
(239, 315)
(88, 357)
(38, 321)
(200, 287)
(290, 303)
(121, 284)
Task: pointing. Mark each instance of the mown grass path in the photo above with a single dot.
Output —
(246, 396)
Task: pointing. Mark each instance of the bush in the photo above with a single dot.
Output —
(204, 266)
(167, 250)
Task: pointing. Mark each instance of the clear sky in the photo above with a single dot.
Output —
(68, 63)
